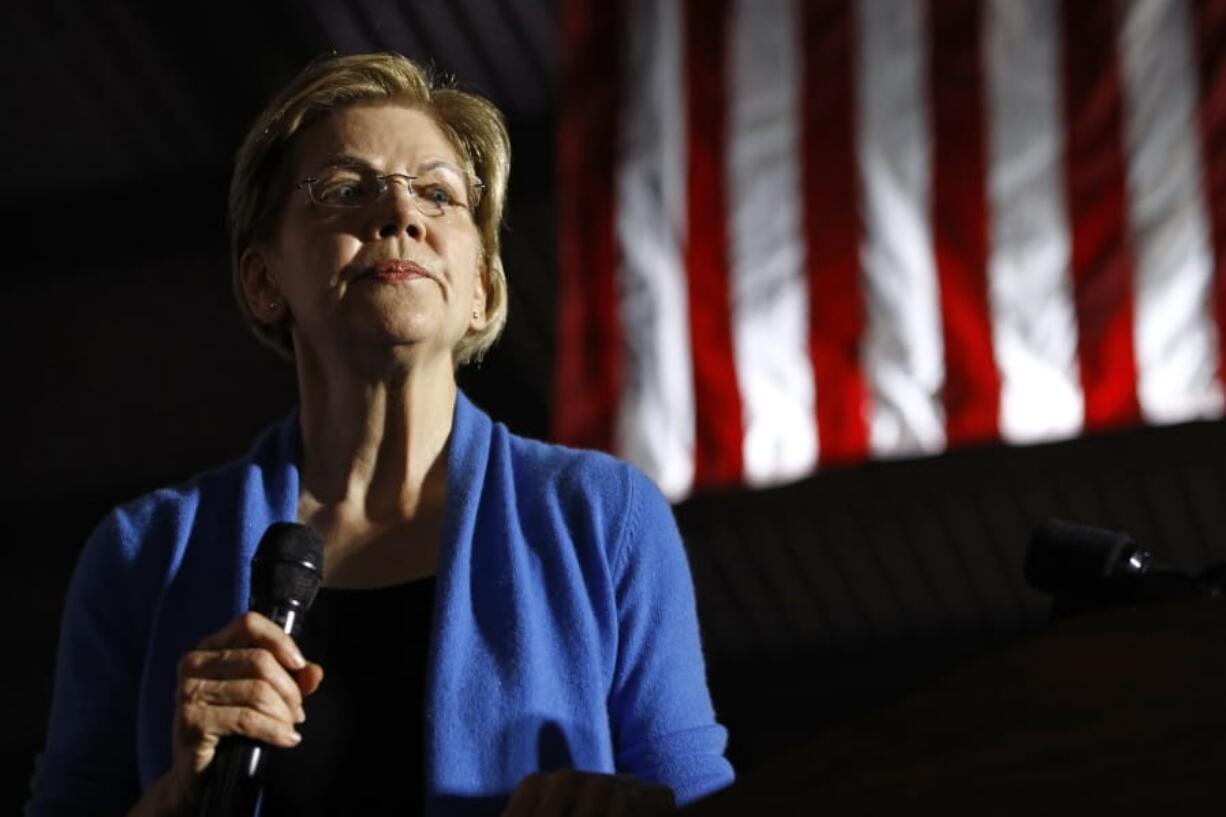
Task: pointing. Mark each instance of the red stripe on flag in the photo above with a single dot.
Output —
(1096, 188)
(1210, 34)
(717, 400)
(588, 374)
(960, 219)
(833, 228)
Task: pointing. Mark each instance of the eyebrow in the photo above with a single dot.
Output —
(344, 160)
(348, 160)
(444, 164)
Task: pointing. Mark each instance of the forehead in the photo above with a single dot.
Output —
(387, 135)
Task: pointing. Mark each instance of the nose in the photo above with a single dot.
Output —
(397, 213)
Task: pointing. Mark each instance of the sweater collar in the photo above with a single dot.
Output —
(278, 456)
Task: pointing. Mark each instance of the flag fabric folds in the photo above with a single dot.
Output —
(802, 232)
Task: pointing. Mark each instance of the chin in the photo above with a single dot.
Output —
(387, 325)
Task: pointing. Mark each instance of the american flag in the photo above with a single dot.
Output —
(803, 232)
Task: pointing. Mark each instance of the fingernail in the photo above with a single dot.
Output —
(301, 715)
(298, 660)
(295, 738)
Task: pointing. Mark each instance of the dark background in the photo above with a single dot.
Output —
(128, 368)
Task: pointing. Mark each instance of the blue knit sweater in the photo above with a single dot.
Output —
(564, 630)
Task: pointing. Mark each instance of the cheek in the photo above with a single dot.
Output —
(468, 262)
(313, 260)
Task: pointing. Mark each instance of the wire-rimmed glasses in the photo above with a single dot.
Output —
(435, 191)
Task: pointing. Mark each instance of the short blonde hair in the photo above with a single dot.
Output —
(473, 126)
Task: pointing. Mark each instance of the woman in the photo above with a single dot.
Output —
(546, 589)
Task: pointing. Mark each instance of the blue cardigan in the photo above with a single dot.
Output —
(564, 630)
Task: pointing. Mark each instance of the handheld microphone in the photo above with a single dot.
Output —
(285, 576)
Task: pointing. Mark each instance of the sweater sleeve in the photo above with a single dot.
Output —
(660, 707)
(89, 763)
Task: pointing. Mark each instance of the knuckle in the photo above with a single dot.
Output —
(189, 662)
(189, 688)
(264, 694)
(249, 624)
(265, 664)
(247, 722)
(188, 719)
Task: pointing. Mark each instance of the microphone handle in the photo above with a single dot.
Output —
(235, 781)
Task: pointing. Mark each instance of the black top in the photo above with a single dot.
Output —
(361, 749)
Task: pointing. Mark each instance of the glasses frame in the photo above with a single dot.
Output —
(383, 180)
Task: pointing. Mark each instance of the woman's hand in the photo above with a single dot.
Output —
(571, 793)
(246, 679)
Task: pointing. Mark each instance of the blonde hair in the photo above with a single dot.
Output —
(473, 126)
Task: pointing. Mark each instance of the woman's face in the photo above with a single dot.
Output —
(383, 273)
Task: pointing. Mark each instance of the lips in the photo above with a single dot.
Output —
(394, 270)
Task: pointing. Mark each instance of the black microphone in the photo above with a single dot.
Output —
(285, 576)
(1083, 568)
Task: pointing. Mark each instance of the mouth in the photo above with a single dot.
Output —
(394, 270)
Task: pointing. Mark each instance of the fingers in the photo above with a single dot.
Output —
(206, 724)
(254, 630)
(622, 801)
(524, 798)
(247, 679)
(597, 795)
(571, 793)
(255, 693)
(557, 794)
(309, 678)
(200, 672)
(652, 801)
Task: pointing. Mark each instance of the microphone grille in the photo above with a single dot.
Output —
(288, 565)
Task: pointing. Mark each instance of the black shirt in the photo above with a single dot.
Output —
(361, 749)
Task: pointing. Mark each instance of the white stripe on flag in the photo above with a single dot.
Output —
(1034, 324)
(655, 419)
(1176, 341)
(770, 313)
(903, 351)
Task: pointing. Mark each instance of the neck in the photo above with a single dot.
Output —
(375, 438)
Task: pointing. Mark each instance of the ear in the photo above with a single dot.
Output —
(478, 319)
(264, 297)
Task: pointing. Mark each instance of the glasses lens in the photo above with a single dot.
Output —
(437, 191)
(345, 187)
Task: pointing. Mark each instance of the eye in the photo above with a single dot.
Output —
(342, 188)
(434, 193)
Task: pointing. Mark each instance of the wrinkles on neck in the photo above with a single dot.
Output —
(375, 437)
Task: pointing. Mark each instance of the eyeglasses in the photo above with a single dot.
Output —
(434, 192)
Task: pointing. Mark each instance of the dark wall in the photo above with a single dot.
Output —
(823, 600)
